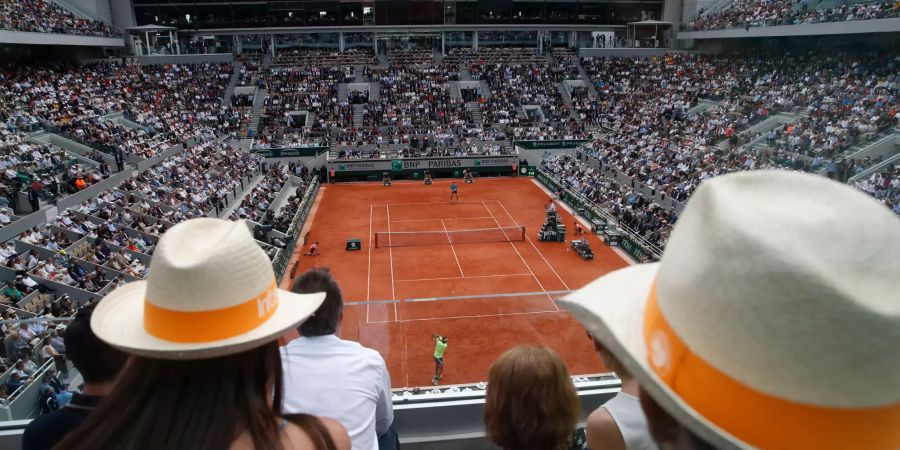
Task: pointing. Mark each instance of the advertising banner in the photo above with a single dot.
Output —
(418, 164)
(289, 152)
(551, 145)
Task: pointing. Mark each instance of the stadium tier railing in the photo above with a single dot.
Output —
(279, 264)
(640, 249)
(448, 237)
(24, 402)
(442, 418)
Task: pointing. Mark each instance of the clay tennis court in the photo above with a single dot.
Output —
(487, 292)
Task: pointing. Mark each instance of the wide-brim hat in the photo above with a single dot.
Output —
(211, 292)
(772, 319)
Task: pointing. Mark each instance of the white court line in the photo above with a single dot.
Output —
(369, 269)
(520, 256)
(450, 241)
(535, 247)
(464, 278)
(403, 368)
(419, 203)
(446, 218)
(476, 316)
(391, 256)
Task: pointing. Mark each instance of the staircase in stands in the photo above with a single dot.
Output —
(475, 111)
(567, 99)
(232, 83)
(258, 101)
(358, 115)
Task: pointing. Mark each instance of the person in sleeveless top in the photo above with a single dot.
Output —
(619, 424)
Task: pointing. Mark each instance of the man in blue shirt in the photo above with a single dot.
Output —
(832, 168)
(454, 192)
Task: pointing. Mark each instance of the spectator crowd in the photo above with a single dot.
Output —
(765, 13)
(320, 391)
(44, 16)
(674, 127)
(650, 134)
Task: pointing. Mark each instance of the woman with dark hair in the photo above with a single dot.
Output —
(47, 350)
(531, 402)
(206, 371)
(218, 403)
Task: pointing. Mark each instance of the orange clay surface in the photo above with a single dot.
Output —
(396, 297)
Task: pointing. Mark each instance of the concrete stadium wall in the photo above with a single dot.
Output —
(768, 124)
(459, 424)
(883, 148)
(95, 9)
(32, 220)
(438, 425)
(77, 150)
(80, 196)
(887, 148)
(47, 213)
(150, 162)
(184, 59)
(122, 13)
(629, 52)
(671, 12)
(21, 37)
(534, 157)
(318, 161)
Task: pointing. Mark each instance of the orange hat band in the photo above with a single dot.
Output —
(756, 418)
(215, 325)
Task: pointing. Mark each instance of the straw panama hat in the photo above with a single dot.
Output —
(211, 292)
(772, 320)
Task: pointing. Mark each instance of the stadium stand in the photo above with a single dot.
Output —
(762, 13)
(102, 156)
(671, 151)
(303, 105)
(44, 16)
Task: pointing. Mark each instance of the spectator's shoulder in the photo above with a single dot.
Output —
(44, 432)
(603, 431)
(371, 354)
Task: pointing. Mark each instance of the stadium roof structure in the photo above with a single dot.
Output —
(152, 32)
(147, 28)
(631, 29)
(649, 23)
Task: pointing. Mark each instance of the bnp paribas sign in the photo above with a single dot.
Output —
(425, 164)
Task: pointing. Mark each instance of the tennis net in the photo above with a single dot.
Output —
(412, 238)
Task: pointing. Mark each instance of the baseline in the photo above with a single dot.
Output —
(420, 203)
(428, 220)
(464, 278)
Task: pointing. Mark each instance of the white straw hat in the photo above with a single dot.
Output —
(772, 320)
(211, 292)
